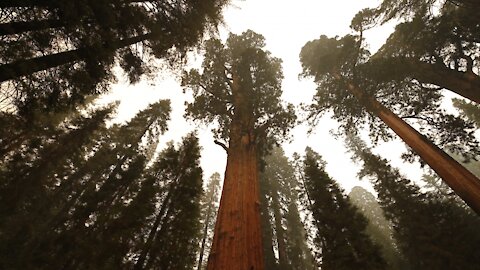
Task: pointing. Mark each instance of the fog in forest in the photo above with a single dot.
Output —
(228, 134)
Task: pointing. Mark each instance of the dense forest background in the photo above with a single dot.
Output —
(94, 175)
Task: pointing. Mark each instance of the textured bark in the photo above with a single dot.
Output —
(463, 182)
(237, 241)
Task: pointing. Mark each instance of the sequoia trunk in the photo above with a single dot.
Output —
(463, 182)
(237, 241)
(466, 84)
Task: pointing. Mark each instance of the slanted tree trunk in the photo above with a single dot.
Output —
(29, 66)
(465, 84)
(153, 231)
(12, 28)
(463, 182)
(237, 242)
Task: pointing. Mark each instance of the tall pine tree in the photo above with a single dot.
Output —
(341, 236)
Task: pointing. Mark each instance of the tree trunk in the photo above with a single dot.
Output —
(153, 232)
(462, 181)
(29, 66)
(237, 242)
(279, 231)
(267, 234)
(204, 239)
(465, 84)
(12, 28)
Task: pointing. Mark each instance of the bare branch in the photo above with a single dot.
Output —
(222, 145)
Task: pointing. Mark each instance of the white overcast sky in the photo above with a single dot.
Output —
(286, 26)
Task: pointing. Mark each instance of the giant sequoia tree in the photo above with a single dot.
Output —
(352, 97)
(434, 49)
(239, 88)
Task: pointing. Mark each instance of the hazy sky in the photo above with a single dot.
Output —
(286, 26)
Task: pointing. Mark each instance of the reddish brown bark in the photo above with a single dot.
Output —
(463, 182)
(237, 241)
(466, 84)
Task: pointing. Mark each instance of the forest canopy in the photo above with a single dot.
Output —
(217, 134)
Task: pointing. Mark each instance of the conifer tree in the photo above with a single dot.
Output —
(284, 227)
(85, 179)
(66, 49)
(31, 176)
(341, 236)
(431, 233)
(172, 240)
(437, 49)
(209, 216)
(332, 62)
(239, 87)
(379, 228)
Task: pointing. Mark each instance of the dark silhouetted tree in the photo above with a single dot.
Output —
(432, 233)
(341, 229)
(209, 216)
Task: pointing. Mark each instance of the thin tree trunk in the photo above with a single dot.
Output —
(29, 66)
(12, 28)
(204, 239)
(279, 231)
(153, 232)
(462, 181)
(267, 234)
(237, 242)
